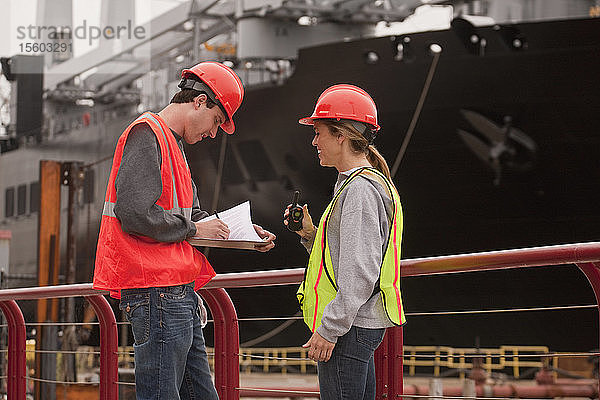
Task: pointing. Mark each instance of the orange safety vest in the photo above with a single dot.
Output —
(125, 261)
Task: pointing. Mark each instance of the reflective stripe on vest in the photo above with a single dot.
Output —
(319, 285)
(109, 207)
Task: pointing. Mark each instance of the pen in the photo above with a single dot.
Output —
(217, 215)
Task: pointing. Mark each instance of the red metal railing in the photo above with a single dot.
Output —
(388, 357)
(221, 306)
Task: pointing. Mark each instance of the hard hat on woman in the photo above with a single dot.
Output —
(347, 102)
(225, 85)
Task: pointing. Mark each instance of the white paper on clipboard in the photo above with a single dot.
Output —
(241, 230)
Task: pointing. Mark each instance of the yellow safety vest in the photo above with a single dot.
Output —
(319, 285)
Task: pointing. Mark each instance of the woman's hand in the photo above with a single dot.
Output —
(319, 349)
(213, 229)
(267, 236)
(308, 230)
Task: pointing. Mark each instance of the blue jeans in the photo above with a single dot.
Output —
(170, 356)
(350, 372)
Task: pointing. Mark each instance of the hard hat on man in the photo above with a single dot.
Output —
(220, 84)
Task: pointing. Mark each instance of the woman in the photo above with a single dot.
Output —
(351, 289)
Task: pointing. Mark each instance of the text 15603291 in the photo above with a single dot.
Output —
(29, 47)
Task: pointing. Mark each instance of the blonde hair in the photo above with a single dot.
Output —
(359, 144)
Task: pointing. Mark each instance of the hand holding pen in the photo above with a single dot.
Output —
(213, 229)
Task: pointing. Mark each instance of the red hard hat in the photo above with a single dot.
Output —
(224, 83)
(344, 102)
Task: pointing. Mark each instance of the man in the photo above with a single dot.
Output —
(151, 207)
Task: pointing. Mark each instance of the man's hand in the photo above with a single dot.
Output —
(319, 349)
(213, 229)
(264, 234)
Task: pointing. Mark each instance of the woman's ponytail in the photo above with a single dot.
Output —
(378, 162)
(359, 144)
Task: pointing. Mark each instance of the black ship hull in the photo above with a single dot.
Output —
(535, 86)
(454, 202)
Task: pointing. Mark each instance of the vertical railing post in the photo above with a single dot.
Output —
(109, 360)
(592, 272)
(16, 385)
(382, 358)
(388, 365)
(227, 343)
(231, 341)
(219, 337)
(396, 362)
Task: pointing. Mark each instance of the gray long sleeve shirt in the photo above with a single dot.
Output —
(357, 234)
(139, 186)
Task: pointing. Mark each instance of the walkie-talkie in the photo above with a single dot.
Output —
(296, 214)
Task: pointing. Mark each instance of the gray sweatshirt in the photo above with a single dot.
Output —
(357, 234)
(139, 185)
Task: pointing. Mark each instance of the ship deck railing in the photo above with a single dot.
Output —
(434, 361)
(390, 357)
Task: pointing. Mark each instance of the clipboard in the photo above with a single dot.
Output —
(227, 243)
